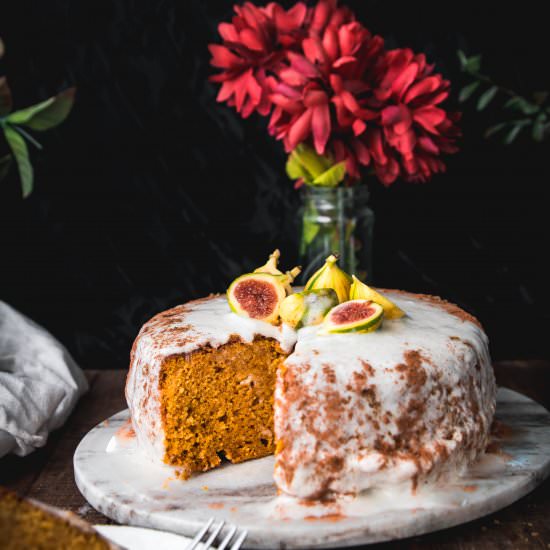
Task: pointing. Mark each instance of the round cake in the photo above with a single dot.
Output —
(409, 402)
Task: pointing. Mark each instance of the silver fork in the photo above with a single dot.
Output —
(213, 535)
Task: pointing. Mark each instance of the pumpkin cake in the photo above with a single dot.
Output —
(345, 409)
(27, 524)
(218, 403)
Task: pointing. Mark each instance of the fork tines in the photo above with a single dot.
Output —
(212, 534)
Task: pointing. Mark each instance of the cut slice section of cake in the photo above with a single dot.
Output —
(218, 403)
(201, 385)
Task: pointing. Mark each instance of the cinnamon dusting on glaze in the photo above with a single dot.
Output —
(449, 307)
(332, 518)
(364, 399)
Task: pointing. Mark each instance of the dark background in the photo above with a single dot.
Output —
(151, 193)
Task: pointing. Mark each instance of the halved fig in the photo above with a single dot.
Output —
(257, 295)
(353, 316)
(308, 307)
(360, 290)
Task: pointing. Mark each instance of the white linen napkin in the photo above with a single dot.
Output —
(40, 383)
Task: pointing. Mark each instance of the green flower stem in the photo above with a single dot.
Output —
(27, 136)
(489, 80)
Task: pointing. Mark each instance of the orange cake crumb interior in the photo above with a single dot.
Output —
(218, 403)
(24, 526)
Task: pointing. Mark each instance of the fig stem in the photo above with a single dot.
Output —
(294, 272)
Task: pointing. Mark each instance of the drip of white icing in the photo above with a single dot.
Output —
(211, 322)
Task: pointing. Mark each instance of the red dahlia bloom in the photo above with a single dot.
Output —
(327, 13)
(326, 80)
(323, 90)
(413, 123)
(253, 45)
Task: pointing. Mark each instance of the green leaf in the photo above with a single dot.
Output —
(539, 127)
(467, 91)
(518, 103)
(295, 170)
(5, 163)
(492, 130)
(310, 228)
(309, 231)
(21, 153)
(350, 228)
(486, 97)
(6, 102)
(332, 177)
(512, 134)
(24, 115)
(314, 163)
(474, 64)
(56, 113)
(47, 114)
(469, 64)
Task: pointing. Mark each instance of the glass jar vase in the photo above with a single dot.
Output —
(336, 221)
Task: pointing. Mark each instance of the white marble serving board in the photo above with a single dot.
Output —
(124, 485)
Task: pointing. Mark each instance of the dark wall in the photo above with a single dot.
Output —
(152, 194)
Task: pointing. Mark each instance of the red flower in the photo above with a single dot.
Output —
(253, 45)
(327, 13)
(330, 76)
(326, 80)
(413, 123)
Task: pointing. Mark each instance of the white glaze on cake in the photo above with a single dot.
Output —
(412, 400)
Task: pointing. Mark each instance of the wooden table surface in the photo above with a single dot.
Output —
(47, 474)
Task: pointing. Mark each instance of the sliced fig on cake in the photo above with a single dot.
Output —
(308, 307)
(360, 290)
(258, 296)
(331, 276)
(353, 316)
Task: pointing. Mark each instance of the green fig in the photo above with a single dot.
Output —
(360, 290)
(271, 265)
(331, 276)
(308, 307)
